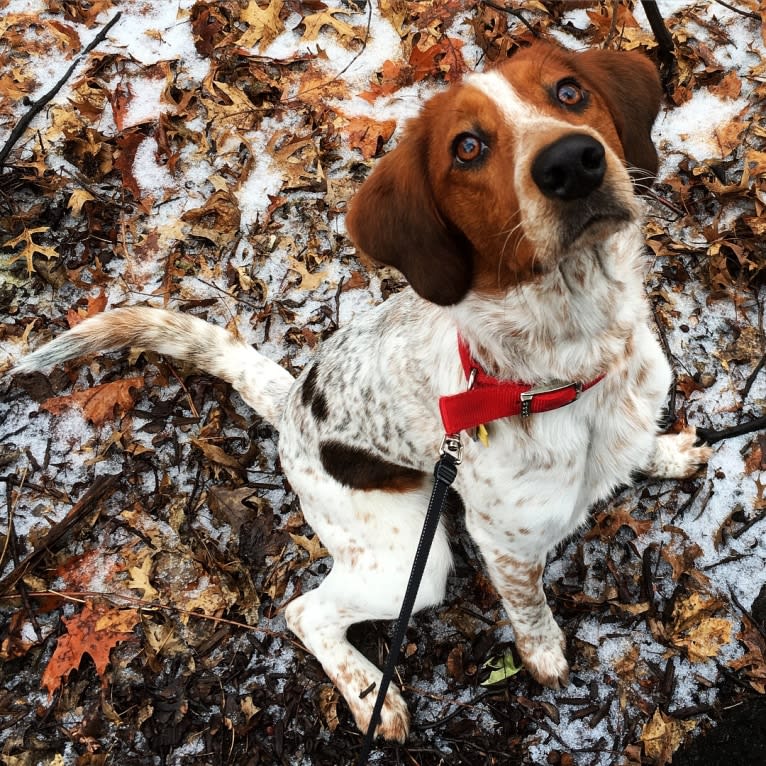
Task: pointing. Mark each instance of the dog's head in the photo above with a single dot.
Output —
(510, 170)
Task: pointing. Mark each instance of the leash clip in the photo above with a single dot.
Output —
(452, 446)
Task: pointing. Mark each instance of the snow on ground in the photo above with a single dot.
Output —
(152, 32)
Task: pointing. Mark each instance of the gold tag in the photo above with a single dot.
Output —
(482, 434)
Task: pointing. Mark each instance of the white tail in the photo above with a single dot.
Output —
(262, 383)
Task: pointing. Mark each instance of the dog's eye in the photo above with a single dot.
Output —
(569, 93)
(468, 148)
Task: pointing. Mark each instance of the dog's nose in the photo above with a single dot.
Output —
(570, 168)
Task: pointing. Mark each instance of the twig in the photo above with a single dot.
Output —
(747, 613)
(103, 486)
(666, 46)
(751, 378)
(512, 12)
(749, 14)
(711, 436)
(38, 105)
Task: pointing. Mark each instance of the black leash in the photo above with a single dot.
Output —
(445, 472)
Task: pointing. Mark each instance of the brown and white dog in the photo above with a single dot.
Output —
(508, 205)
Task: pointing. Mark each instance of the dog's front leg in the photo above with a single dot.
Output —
(516, 571)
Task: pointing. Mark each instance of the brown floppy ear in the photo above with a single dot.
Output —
(394, 219)
(630, 85)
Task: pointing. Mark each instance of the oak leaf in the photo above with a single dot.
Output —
(93, 631)
(96, 304)
(442, 58)
(695, 629)
(99, 402)
(31, 248)
(264, 24)
(608, 523)
(662, 736)
(314, 23)
(139, 578)
(312, 545)
(368, 135)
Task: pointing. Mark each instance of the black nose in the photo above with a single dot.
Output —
(570, 168)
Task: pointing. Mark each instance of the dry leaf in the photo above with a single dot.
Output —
(694, 629)
(368, 135)
(662, 736)
(31, 248)
(93, 631)
(314, 22)
(608, 523)
(139, 578)
(312, 545)
(98, 403)
(264, 24)
(328, 705)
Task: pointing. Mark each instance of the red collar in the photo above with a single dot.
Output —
(488, 398)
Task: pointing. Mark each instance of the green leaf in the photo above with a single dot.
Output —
(502, 668)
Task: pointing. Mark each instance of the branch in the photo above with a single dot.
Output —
(38, 105)
(104, 485)
(512, 12)
(711, 436)
(667, 48)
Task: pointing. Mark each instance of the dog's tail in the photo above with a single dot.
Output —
(262, 383)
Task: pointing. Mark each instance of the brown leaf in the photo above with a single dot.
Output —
(328, 705)
(31, 248)
(264, 24)
(94, 632)
(120, 100)
(608, 524)
(694, 629)
(393, 75)
(368, 135)
(315, 22)
(442, 58)
(729, 87)
(98, 403)
(128, 144)
(663, 735)
(313, 545)
(96, 304)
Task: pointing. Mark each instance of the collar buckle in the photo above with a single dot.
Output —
(528, 396)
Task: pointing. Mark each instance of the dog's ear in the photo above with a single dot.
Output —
(394, 219)
(630, 85)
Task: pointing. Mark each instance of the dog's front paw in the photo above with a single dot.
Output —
(676, 456)
(394, 717)
(547, 665)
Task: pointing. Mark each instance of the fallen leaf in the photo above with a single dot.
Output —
(327, 17)
(501, 668)
(264, 24)
(608, 523)
(694, 629)
(328, 705)
(98, 403)
(139, 578)
(93, 631)
(31, 248)
(663, 735)
(312, 545)
(368, 135)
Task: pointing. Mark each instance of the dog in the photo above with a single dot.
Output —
(512, 206)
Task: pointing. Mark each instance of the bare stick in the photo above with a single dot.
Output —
(102, 486)
(38, 105)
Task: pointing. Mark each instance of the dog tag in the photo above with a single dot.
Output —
(482, 434)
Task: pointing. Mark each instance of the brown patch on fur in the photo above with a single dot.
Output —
(357, 468)
(449, 227)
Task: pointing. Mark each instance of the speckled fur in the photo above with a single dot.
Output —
(575, 311)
